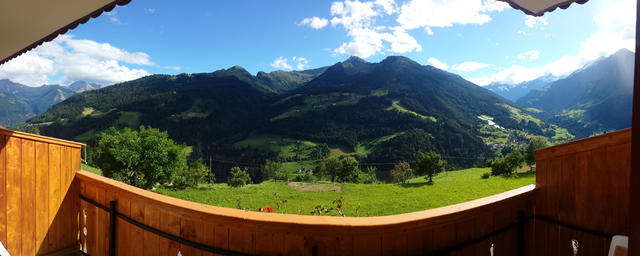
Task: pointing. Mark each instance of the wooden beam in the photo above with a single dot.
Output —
(634, 204)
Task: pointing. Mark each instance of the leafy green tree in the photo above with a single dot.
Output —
(139, 158)
(429, 164)
(529, 153)
(401, 172)
(273, 170)
(191, 177)
(349, 170)
(238, 177)
(332, 167)
(508, 164)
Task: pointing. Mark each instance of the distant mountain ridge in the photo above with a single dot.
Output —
(513, 92)
(82, 86)
(597, 98)
(19, 102)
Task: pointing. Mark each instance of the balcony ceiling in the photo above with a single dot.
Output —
(539, 7)
(25, 24)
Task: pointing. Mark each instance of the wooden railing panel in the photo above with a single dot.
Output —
(418, 233)
(586, 183)
(38, 214)
(583, 185)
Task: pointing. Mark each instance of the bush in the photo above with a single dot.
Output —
(139, 158)
(306, 177)
(191, 177)
(485, 175)
(401, 172)
(238, 177)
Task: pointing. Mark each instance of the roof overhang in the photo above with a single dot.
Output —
(25, 24)
(539, 7)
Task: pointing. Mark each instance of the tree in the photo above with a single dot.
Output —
(401, 172)
(529, 153)
(349, 170)
(191, 177)
(273, 170)
(332, 167)
(238, 177)
(508, 164)
(34, 130)
(369, 176)
(139, 158)
(429, 164)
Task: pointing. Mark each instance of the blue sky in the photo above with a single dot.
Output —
(482, 40)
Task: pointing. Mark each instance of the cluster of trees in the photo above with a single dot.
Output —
(148, 157)
(508, 164)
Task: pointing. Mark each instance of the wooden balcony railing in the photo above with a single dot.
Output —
(448, 228)
(585, 185)
(39, 203)
(47, 205)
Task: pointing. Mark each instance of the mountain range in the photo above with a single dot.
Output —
(19, 102)
(379, 112)
(513, 92)
(595, 99)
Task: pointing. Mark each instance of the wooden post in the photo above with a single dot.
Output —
(112, 227)
(634, 186)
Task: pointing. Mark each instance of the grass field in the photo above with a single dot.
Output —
(374, 200)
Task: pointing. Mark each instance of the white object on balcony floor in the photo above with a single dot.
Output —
(619, 241)
(3, 251)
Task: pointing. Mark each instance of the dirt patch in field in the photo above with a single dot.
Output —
(314, 187)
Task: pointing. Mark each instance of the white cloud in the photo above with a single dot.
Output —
(437, 63)
(113, 17)
(281, 63)
(529, 55)
(314, 22)
(299, 63)
(389, 6)
(367, 39)
(359, 18)
(520, 32)
(75, 59)
(469, 66)
(532, 21)
(29, 68)
(150, 10)
(429, 31)
(438, 13)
